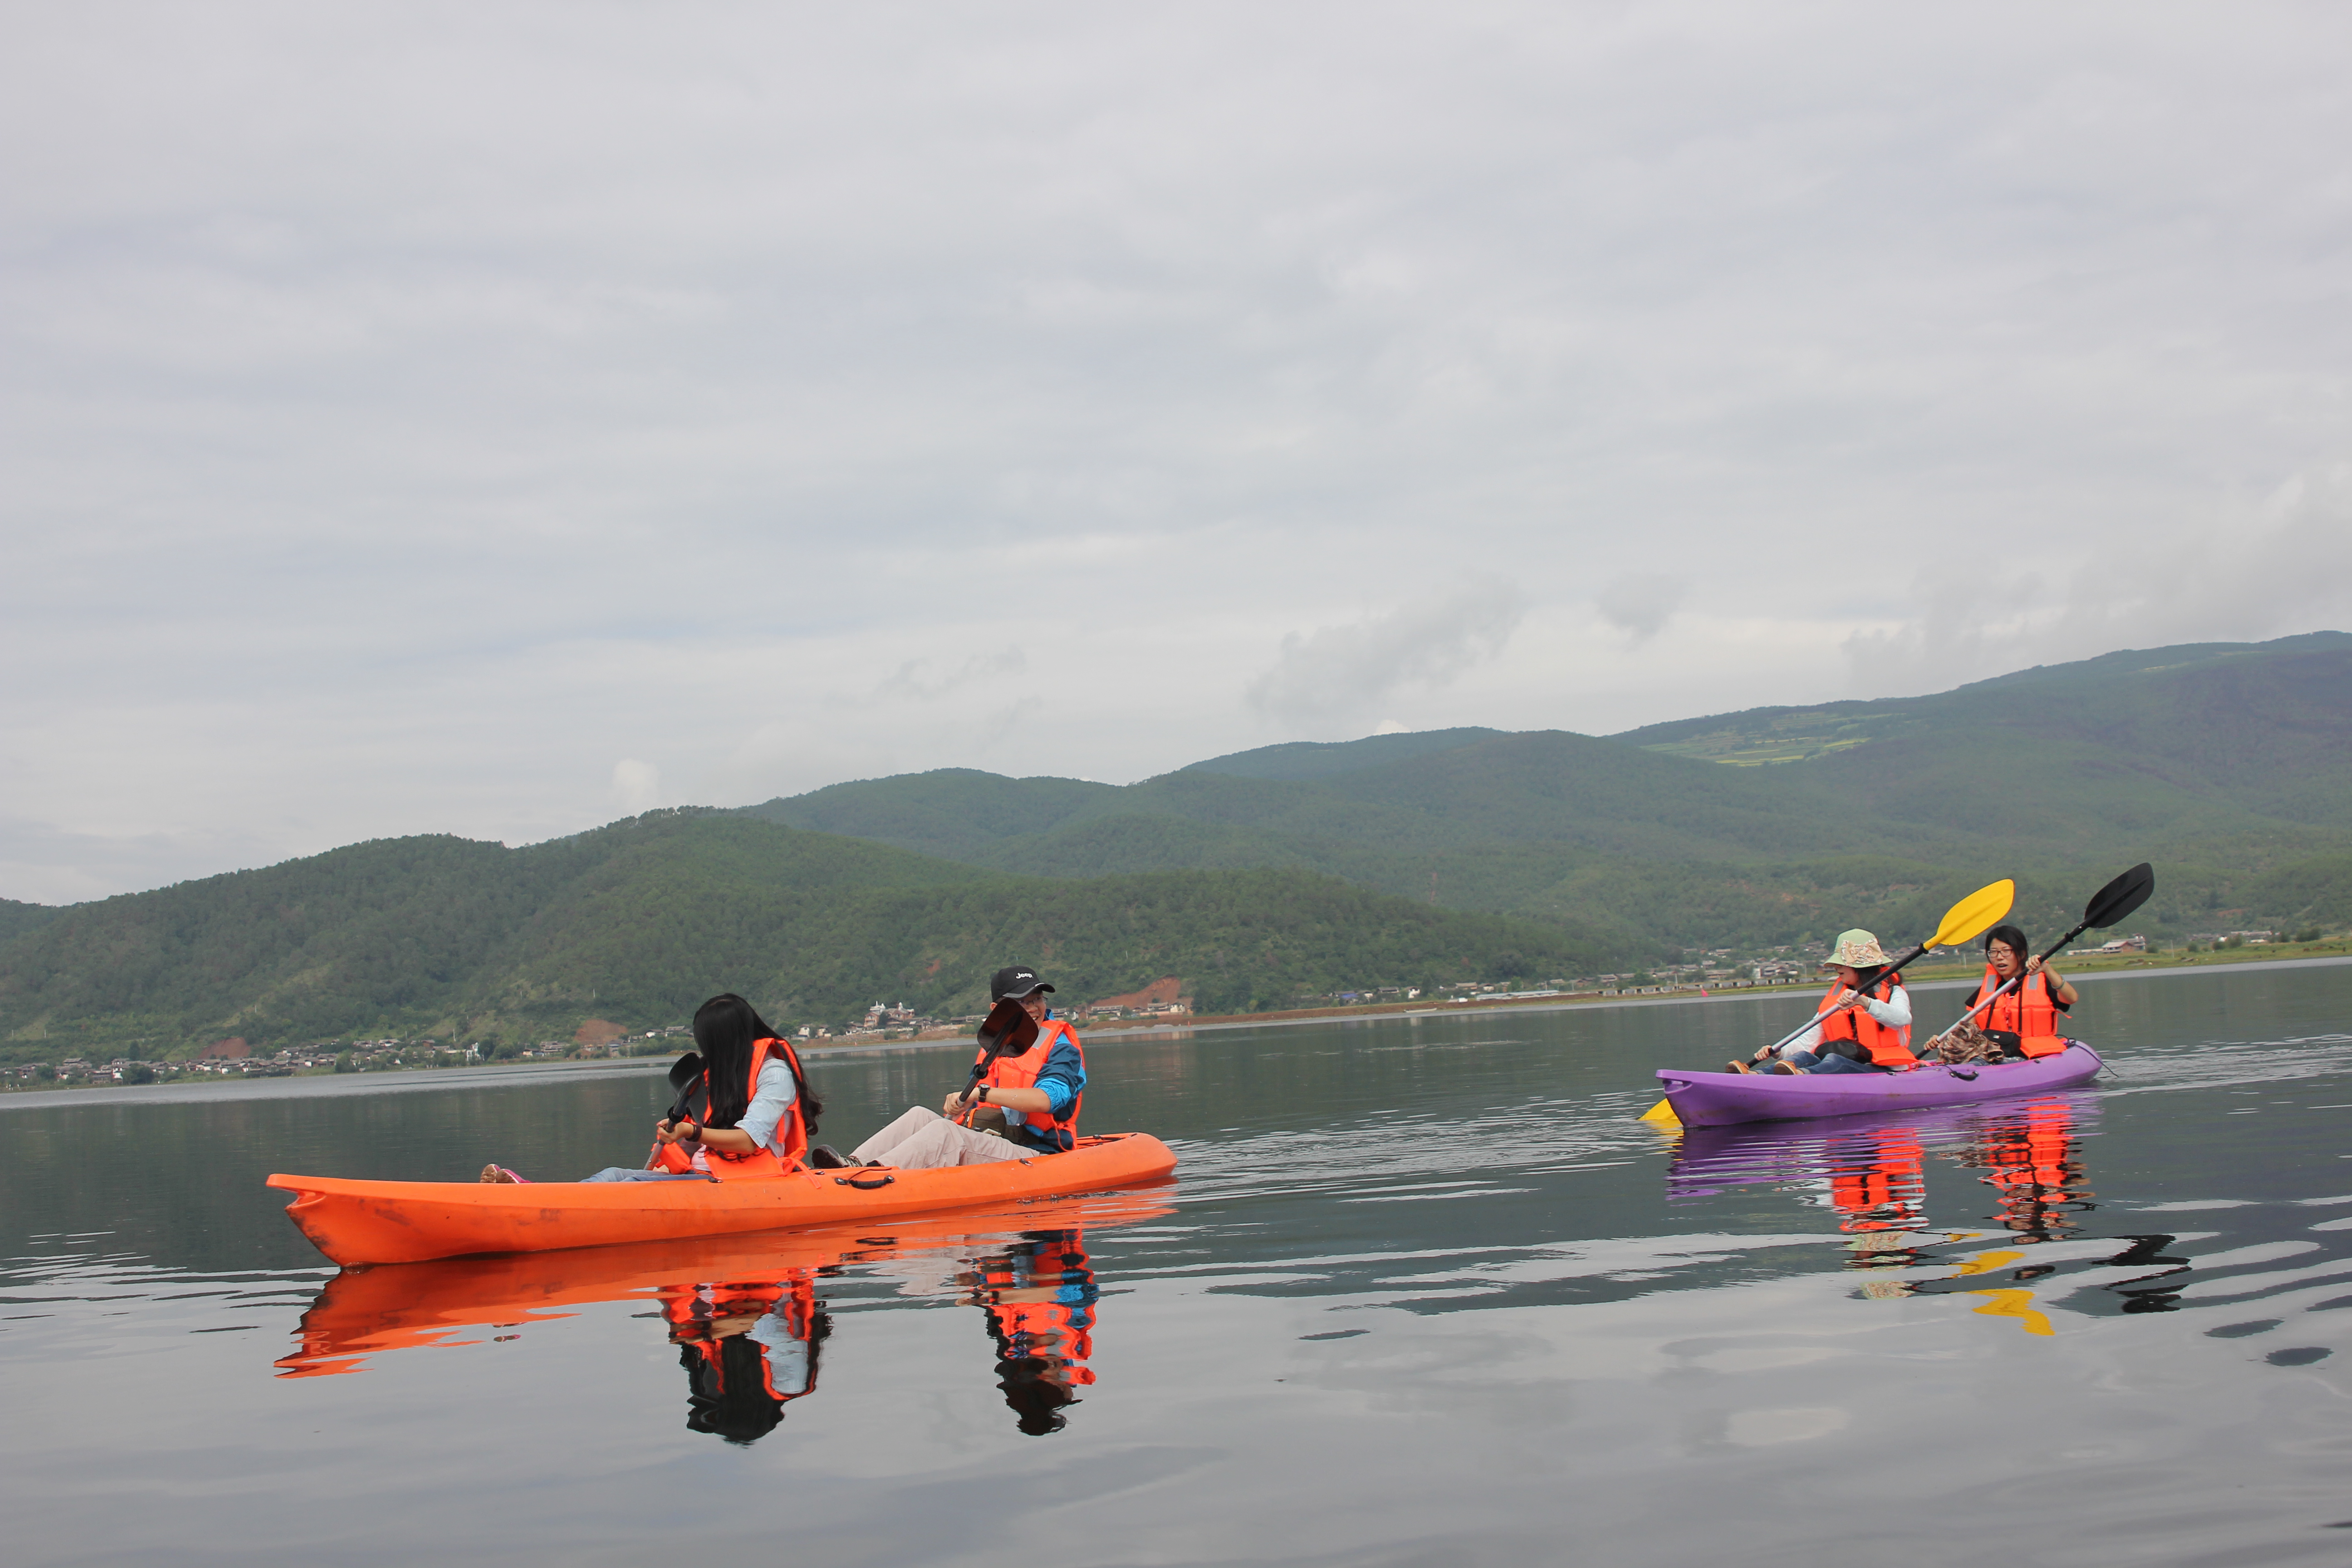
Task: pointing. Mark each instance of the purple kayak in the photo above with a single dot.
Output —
(1722, 1099)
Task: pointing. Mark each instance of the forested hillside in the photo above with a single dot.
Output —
(1269, 875)
(639, 922)
(2225, 764)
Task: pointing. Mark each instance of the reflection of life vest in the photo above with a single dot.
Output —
(2031, 1152)
(1878, 1186)
(792, 1133)
(2027, 1164)
(692, 1311)
(1886, 1047)
(1021, 1072)
(2027, 1011)
(1040, 1300)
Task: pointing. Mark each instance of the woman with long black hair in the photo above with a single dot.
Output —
(757, 1110)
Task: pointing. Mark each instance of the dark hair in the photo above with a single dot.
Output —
(2013, 937)
(1035, 1398)
(729, 1399)
(725, 1029)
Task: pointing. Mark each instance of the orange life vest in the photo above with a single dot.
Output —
(1059, 1327)
(782, 1156)
(2031, 1166)
(1887, 1048)
(1884, 1192)
(2026, 1012)
(1021, 1072)
(690, 1309)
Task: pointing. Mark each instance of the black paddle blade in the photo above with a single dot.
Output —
(2119, 897)
(686, 1078)
(1008, 1030)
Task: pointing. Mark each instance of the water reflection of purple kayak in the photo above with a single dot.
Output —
(1721, 1099)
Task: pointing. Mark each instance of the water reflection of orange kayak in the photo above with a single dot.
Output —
(412, 1222)
(366, 1312)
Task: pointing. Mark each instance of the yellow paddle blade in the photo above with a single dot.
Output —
(1662, 1111)
(2012, 1304)
(1975, 915)
(1985, 1262)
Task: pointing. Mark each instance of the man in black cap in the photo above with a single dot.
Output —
(1031, 1070)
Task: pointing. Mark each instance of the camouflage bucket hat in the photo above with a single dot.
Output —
(1856, 949)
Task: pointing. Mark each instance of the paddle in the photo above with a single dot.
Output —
(1964, 921)
(685, 1077)
(2107, 906)
(1007, 1031)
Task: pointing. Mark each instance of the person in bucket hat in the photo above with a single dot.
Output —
(1863, 1021)
(1855, 949)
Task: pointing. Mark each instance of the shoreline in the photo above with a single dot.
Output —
(525, 1075)
(1939, 978)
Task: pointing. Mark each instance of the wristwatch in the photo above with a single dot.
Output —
(984, 1094)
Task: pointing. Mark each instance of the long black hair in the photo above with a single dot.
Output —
(725, 1029)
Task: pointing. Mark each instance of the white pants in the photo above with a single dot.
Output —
(923, 1140)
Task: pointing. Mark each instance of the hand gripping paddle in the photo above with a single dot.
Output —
(1964, 921)
(2110, 904)
(686, 1078)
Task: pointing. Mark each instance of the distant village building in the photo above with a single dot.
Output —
(1163, 997)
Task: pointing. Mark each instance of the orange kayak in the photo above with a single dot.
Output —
(365, 1312)
(412, 1222)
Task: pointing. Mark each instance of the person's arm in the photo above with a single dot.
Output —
(1894, 1013)
(1062, 1079)
(1059, 1083)
(769, 1105)
(1035, 1100)
(756, 1130)
(2062, 995)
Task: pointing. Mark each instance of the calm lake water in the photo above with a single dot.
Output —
(1423, 1292)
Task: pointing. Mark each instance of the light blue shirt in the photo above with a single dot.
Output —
(770, 1102)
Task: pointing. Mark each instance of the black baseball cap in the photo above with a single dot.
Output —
(1014, 982)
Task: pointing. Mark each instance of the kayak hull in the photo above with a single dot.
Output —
(413, 1221)
(370, 1309)
(1723, 1100)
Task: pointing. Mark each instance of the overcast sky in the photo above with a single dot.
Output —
(499, 419)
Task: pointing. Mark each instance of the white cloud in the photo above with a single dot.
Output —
(2278, 567)
(405, 411)
(1640, 604)
(1341, 671)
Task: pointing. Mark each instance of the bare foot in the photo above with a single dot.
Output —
(493, 1175)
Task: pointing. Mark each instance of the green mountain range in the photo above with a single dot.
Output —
(638, 922)
(1269, 875)
(2225, 764)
